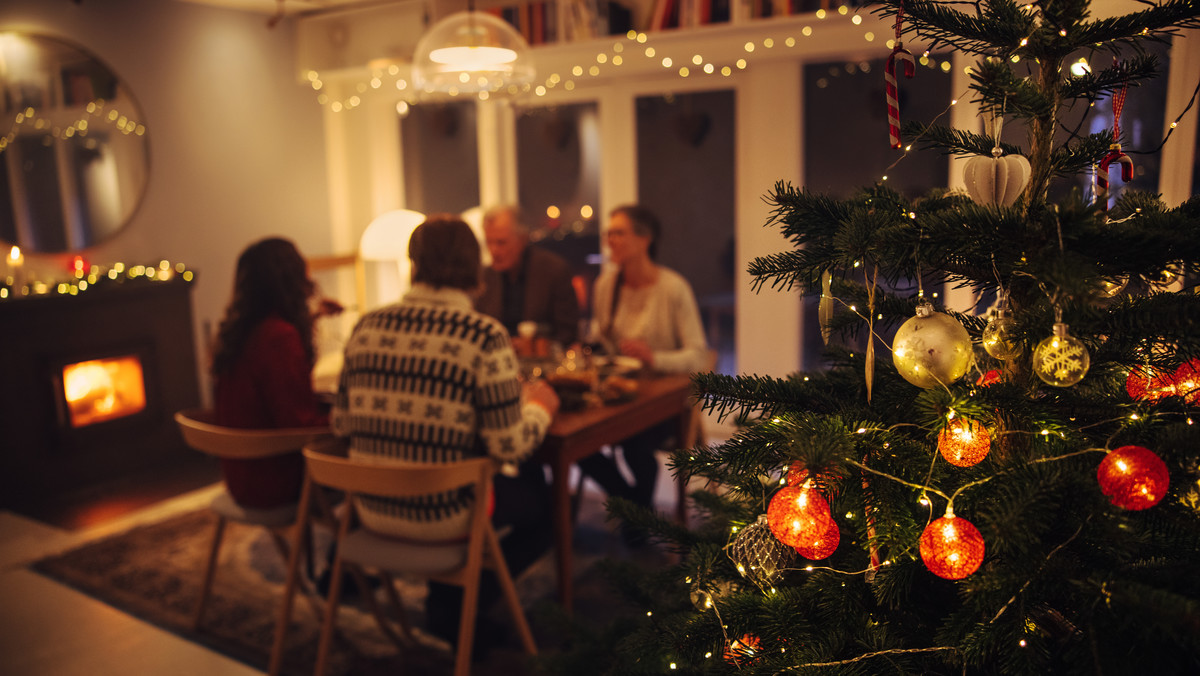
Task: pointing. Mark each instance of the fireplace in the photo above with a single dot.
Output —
(90, 383)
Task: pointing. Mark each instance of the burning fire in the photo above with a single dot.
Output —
(103, 389)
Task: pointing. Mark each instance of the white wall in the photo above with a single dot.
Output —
(237, 148)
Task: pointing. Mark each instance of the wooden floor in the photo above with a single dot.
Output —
(47, 629)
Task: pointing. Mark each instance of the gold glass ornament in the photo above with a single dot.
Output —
(931, 349)
(1061, 360)
(1163, 280)
(1111, 286)
(999, 336)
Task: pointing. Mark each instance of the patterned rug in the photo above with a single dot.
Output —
(154, 572)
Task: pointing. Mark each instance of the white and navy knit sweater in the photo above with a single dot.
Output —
(430, 380)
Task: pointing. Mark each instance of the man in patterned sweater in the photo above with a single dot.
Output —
(429, 379)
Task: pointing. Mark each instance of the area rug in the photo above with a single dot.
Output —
(154, 572)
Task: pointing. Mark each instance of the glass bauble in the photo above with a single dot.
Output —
(759, 556)
(931, 349)
(951, 547)
(999, 337)
(1061, 360)
(1133, 477)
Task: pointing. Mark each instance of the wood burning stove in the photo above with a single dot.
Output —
(89, 384)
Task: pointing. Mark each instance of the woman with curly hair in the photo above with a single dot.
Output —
(262, 367)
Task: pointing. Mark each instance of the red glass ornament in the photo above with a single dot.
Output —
(798, 515)
(1133, 477)
(990, 378)
(951, 547)
(964, 442)
(1149, 383)
(1186, 381)
(743, 650)
(824, 546)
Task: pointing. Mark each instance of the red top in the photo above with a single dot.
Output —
(269, 386)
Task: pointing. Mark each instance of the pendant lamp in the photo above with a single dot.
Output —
(471, 53)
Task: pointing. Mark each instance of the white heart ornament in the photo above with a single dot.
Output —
(996, 180)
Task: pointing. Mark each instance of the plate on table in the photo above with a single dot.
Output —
(619, 365)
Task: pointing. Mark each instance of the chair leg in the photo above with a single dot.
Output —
(466, 626)
(331, 607)
(210, 570)
(365, 591)
(401, 617)
(284, 550)
(681, 512)
(510, 591)
(302, 533)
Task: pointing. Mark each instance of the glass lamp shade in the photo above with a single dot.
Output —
(471, 52)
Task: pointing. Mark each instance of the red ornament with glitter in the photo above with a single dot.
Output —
(1186, 381)
(1149, 383)
(743, 650)
(951, 547)
(824, 546)
(990, 378)
(964, 442)
(798, 515)
(1133, 477)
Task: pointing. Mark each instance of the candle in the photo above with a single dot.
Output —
(16, 267)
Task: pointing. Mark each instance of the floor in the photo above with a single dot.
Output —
(47, 629)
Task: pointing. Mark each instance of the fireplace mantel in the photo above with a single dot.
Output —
(41, 454)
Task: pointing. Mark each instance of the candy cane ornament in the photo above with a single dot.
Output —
(893, 104)
(1100, 184)
(899, 53)
(1114, 154)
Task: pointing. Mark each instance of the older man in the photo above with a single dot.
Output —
(526, 283)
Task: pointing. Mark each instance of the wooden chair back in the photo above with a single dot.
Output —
(202, 434)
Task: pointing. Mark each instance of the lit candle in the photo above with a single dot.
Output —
(16, 267)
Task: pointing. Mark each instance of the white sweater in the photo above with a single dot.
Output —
(664, 314)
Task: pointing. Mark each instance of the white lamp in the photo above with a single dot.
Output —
(386, 240)
(469, 53)
(474, 218)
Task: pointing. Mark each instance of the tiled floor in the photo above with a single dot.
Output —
(47, 629)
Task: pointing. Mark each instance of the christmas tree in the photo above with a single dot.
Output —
(1008, 489)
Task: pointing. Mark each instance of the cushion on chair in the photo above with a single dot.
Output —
(400, 556)
(276, 517)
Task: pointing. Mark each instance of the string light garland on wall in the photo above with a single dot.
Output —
(635, 45)
(85, 278)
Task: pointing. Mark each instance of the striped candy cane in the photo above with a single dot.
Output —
(1114, 154)
(1100, 182)
(899, 53)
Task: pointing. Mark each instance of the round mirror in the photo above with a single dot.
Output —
(73, 160)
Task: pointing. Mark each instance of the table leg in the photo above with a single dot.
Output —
(563, 528)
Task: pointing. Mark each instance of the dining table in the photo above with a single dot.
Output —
(576, 434)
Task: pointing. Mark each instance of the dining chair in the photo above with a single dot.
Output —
(458, 562)
(694, 436)
(201, 434)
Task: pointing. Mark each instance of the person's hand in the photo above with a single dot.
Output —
(638, 349)
(328, 307)
(539, 392)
